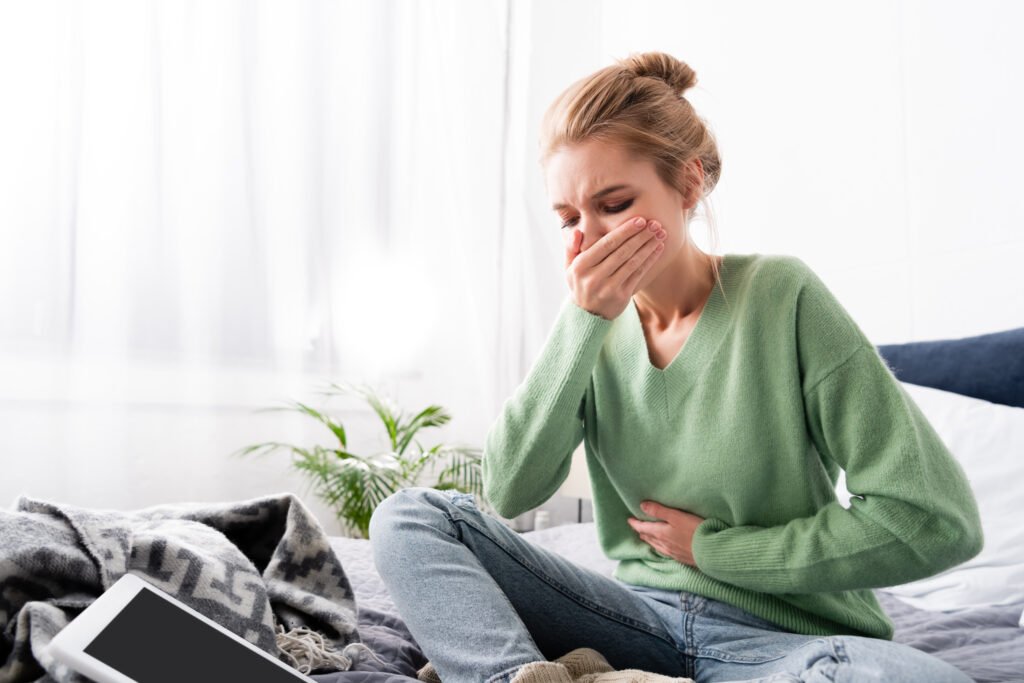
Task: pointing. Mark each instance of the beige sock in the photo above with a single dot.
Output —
(427, 674)
(542, 672)
(584, 660)
(534, 672)
(586, 665)
(582, 665)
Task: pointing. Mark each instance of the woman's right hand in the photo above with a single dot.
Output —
(604, 277)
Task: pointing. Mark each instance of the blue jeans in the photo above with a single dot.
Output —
(482, 601)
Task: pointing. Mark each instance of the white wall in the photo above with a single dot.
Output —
(878, 141)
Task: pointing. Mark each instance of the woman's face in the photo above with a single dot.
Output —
(595, 187)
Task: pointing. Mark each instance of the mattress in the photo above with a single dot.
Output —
(986, 643)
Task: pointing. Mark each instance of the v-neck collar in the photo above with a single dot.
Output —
(699, 346)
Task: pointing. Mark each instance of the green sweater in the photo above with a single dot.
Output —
(775, 389)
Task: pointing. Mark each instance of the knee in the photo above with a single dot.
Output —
(406, 526)
(883, 660)
(407, 510)
(388, 515)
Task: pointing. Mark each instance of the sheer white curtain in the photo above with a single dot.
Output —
(551, 45)
(201, 199)
(182, 178)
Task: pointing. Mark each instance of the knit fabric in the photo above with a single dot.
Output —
(586, 665)
(775, 390)
(582, 665)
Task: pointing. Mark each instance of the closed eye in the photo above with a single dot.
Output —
(618, 208)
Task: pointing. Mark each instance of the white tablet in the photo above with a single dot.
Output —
(136, 633)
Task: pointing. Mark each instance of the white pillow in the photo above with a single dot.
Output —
(987, 440)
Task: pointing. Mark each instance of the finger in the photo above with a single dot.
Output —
(572, 251)
(633, 280)
(630, 255)
(646, 527)
(655, 509)
(629, 273)
(653, 542)
(608, 245)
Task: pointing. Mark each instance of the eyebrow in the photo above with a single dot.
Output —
(596, 195)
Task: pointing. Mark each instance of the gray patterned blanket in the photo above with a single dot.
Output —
(262, 568)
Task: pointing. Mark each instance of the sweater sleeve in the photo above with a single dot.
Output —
(912, 513)
(527, 451)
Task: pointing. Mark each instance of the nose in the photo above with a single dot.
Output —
(592, 230)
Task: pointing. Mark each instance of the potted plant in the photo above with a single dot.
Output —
(354, 485)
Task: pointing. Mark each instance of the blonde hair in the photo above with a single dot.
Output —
(638, 103)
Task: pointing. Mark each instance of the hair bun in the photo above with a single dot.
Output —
(661, 65)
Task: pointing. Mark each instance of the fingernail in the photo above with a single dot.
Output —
(653, 225)
(640, 221)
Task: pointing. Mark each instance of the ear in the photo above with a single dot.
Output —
(692, 174)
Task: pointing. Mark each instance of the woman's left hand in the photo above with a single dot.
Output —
(673, 536)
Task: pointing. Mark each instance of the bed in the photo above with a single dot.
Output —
(986, 642)
(972, 615)
(972, 391)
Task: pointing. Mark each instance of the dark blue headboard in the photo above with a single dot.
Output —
(988, 366)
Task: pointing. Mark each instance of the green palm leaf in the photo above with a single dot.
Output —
(464, 471)
(385, 411)
(354, 485)
(431, 416)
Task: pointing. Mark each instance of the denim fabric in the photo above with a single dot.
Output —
(482, 601)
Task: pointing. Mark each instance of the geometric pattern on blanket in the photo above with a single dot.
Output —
(256, 567)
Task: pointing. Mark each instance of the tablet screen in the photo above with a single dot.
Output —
(153, 641)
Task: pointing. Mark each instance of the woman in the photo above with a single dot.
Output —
(717, 397)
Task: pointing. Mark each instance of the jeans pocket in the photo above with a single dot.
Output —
(729, 613)
(728, 642)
